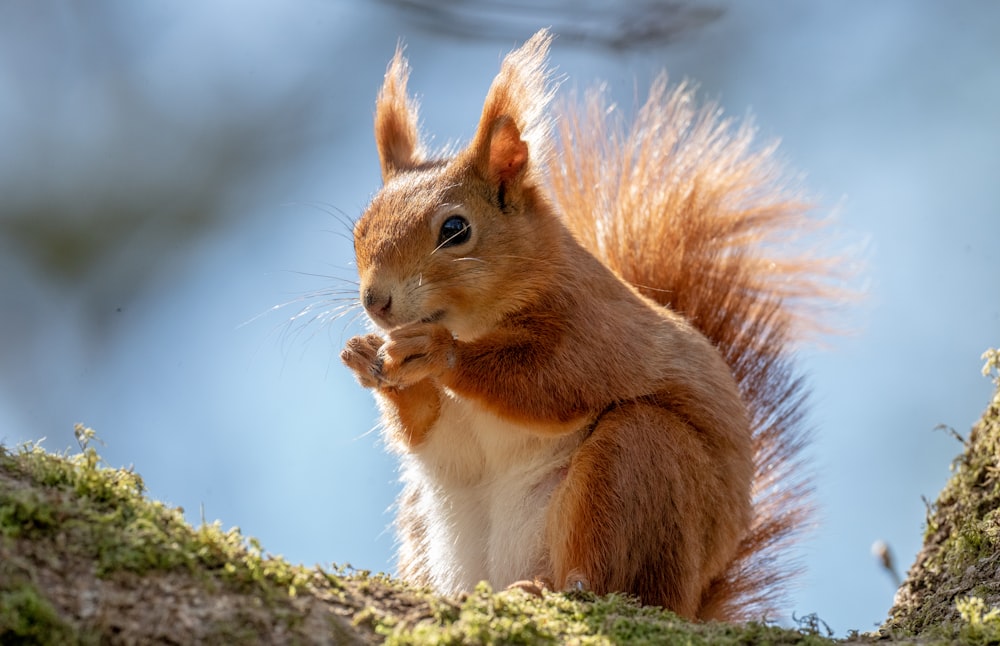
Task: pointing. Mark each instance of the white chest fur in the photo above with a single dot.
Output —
(485, 485)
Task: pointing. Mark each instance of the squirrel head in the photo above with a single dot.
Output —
(468, 239)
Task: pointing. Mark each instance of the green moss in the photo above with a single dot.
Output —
(122, 530)
(75, 509)
(76, 520)
(972, 496)
(26, 617)
(80, 518)
(514, 617)
(23, 513)
(961, 550)
(981, 623)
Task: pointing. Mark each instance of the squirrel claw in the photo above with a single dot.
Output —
(376, 368)
(360, 354)
(577, 582)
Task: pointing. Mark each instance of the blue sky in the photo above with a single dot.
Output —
(888, 110)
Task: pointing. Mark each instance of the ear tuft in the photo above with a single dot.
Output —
(397, 136)
(513, 133)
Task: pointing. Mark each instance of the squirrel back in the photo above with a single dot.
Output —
(682, 206)
(586, 361)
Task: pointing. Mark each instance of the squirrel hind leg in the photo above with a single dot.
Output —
(639, 512)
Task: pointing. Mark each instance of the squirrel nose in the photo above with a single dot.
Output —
(377, 303)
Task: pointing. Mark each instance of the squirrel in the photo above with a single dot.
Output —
(583, 353)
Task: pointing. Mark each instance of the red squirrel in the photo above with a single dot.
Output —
(583, 349)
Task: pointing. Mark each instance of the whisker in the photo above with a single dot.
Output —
(445, 241)
(319, 321)
(526, 258)
(336, 213)
(358, 315)
(322, 315)
(273, 308)
(652, 289)
(371, 430)
(336, 277)
(319, 298)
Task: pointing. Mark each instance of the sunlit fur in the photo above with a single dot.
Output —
(683, 206)
(593, 390)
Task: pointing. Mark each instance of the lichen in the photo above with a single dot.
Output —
(961, 553)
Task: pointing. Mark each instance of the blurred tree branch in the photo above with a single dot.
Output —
(615, 25)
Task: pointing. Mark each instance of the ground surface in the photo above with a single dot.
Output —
(955, 581)
(86, 557)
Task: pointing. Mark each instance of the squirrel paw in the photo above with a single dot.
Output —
(361, 356)
(416, 352)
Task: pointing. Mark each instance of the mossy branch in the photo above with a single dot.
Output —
(86, 557)
(953, 590)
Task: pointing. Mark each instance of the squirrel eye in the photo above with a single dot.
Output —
(454, 231)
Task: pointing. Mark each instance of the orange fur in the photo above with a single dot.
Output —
(585, 352)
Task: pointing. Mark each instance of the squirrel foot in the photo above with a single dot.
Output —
(577, 582)
(534, 587)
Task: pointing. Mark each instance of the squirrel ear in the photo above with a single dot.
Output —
(396, 134)
(513, 122)
(505, 154)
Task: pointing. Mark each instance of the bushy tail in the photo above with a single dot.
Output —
(683, 207)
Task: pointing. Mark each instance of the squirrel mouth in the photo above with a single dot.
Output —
(389, 323)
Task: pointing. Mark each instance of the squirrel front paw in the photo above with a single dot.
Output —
(416, 352)
(360, 354)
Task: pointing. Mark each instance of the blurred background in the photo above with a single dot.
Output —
(177, 182)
